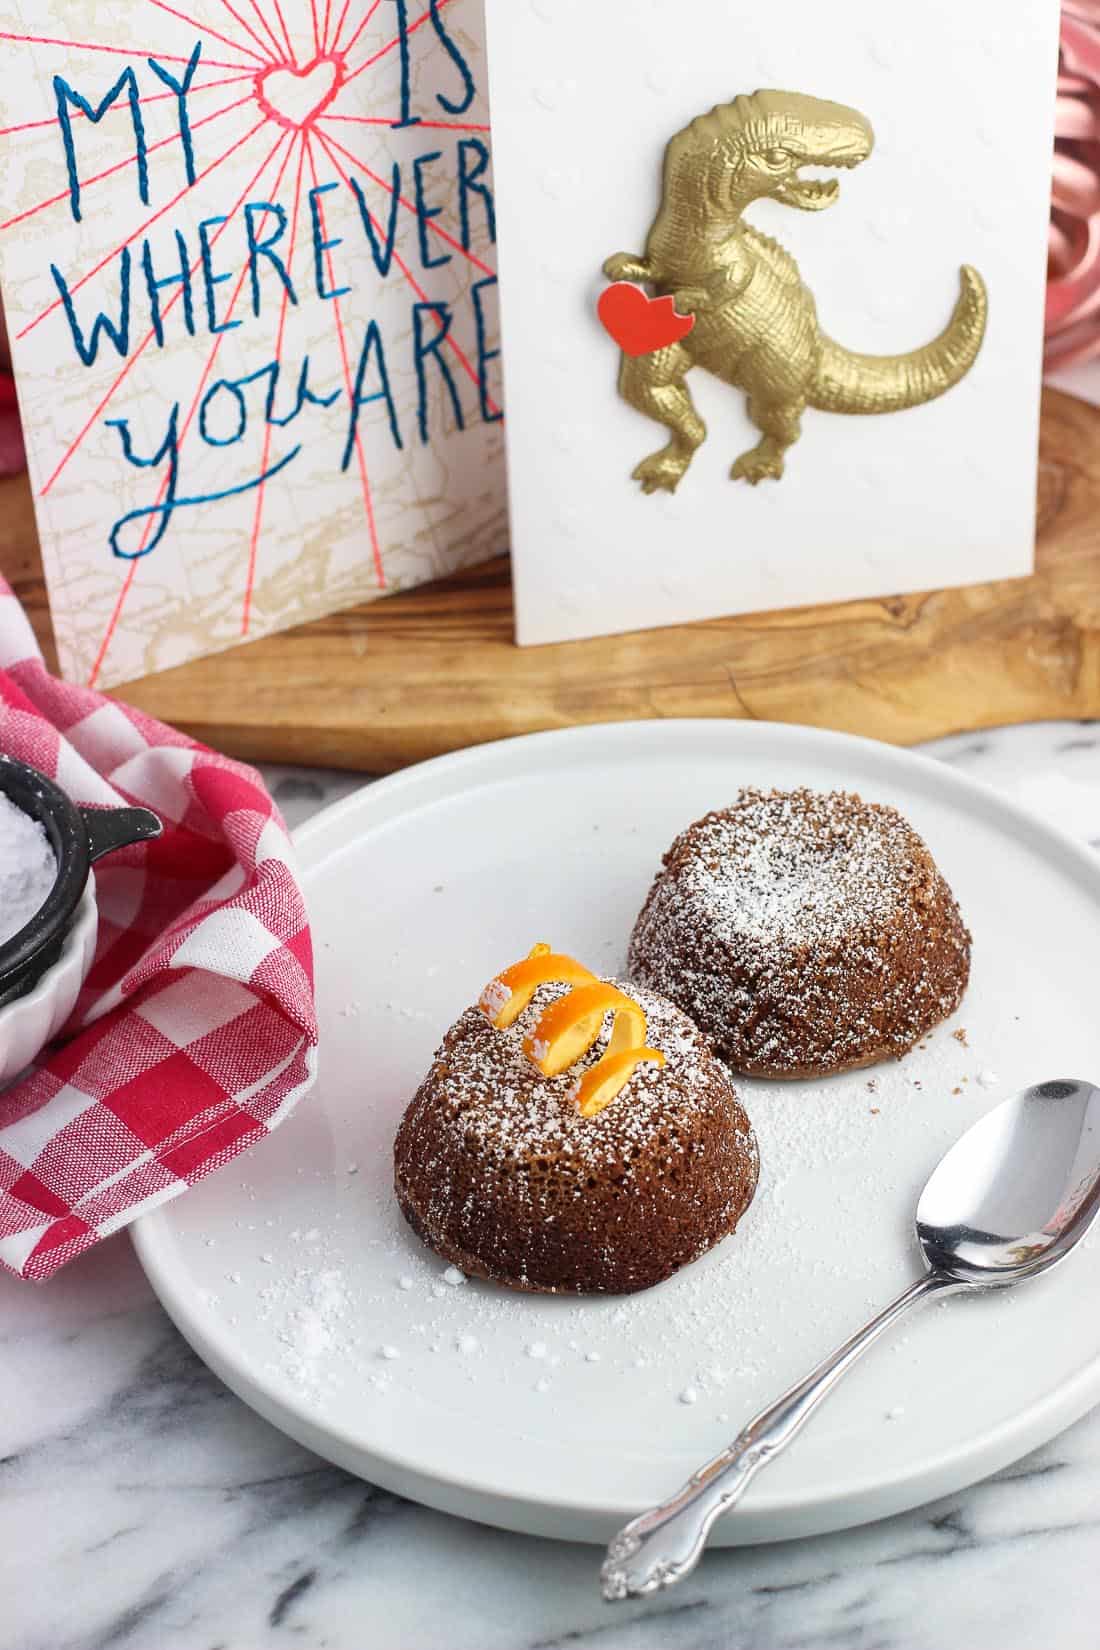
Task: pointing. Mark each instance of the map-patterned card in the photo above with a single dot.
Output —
(247, 260)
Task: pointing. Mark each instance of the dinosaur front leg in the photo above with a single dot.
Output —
(781, 425)
(655, 385)
(627, 266)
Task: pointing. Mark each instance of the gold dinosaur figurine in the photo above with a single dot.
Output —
(755, 322)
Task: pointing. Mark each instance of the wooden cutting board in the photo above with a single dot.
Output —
(410, 676)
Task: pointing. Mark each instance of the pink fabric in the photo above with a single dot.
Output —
(1073, 282)
(195, 1033)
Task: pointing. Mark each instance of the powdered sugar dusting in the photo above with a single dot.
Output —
(495, 997)
(791, 869)
(803, 931)
(515, 1112)
(500, 1171)
(314, 1325)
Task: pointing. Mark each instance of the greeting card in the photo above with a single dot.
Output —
(247, 259)
(772, 300)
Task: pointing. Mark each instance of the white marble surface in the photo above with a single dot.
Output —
(142, 1507)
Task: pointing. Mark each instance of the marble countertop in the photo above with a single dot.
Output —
(143, 1507)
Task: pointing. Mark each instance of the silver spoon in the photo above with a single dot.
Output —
(1009, 1199)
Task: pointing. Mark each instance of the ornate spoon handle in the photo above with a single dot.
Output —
(661, 1546)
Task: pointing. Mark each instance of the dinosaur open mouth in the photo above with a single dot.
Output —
(809, 194)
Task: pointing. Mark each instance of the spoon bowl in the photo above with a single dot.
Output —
(1014, 1194)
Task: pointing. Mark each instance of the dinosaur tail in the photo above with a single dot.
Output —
(851, 383)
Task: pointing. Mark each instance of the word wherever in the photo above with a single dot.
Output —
(263, 255)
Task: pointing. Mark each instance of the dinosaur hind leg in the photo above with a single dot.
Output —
(654, 385)
(781, 426)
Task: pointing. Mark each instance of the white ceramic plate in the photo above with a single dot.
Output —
(290, 1271)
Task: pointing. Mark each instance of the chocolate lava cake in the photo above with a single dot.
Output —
(497, 1170)
(804, 932)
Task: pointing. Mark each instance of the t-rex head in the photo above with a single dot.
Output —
(755, 147)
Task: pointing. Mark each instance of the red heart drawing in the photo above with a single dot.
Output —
(295, 97)
(640, 324)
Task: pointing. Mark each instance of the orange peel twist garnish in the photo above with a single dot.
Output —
(568, 1027)
(609, 1076)
(505, 998)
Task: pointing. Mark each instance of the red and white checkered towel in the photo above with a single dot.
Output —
(195, 1032)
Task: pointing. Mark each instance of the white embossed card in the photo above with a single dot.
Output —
(247, 259)
(772, 299)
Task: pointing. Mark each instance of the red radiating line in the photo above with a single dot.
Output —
(368, 505)
(169, 306)
(286, 31)
(84, 279)
(250, 576)
(268, 30)
(396, 41)
(430, 223)
(117, 51)
(316, 26)
(362, 26)
(413, 282)
(131, 571)
(154, 97)
(112, 623)
(120, 166)
(434, 125)
(265, 49)
(325, 24)
(204, 28)
(340, 26)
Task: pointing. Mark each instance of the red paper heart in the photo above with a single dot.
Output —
(640, 324)
(295, 97)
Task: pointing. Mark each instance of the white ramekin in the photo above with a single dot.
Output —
(28, 1024)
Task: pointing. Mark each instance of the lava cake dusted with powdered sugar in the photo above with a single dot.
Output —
(574, 1135)
(804, 932)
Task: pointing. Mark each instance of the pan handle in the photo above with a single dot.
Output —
(111, 828)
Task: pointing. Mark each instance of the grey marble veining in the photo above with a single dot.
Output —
(143, 1507)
